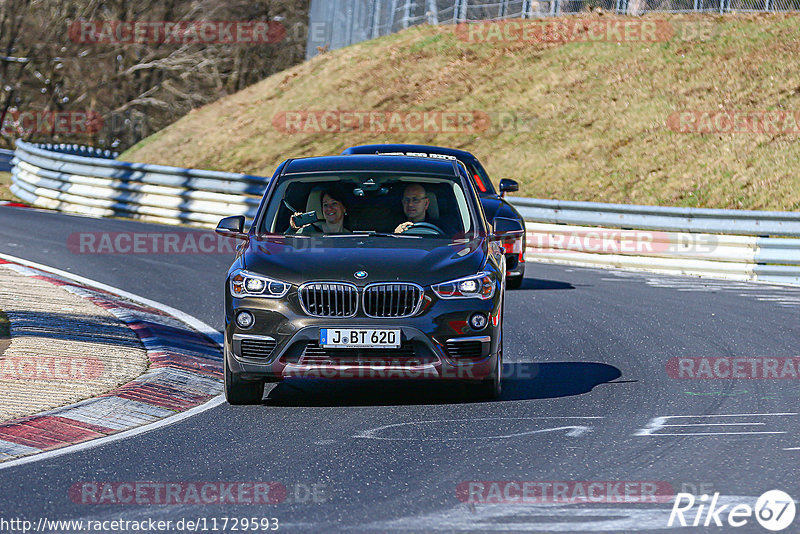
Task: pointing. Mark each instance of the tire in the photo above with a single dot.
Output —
(240, 392)
(491, 388)
(514, 282)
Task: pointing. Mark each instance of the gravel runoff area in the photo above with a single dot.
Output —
(63, 348)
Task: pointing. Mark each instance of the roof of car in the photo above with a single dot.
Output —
(370, 163)
(372, 149)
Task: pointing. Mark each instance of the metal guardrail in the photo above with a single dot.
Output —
(650, 248)
(68, 178)
(734, 244)
(740, 222)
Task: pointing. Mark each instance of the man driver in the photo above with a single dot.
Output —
(415, 206)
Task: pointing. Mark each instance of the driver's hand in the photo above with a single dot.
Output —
(291, 220)
(403, 227)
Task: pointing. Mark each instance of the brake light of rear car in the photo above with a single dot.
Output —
(513, 246)
(480, 183)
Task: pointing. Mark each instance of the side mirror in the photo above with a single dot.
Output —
(504, 228)
(508, 186)
(232, 227)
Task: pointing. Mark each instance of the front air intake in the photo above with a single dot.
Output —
(392, 300)
(329, 299)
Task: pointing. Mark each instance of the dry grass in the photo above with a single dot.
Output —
(595, 114)
(5, 182)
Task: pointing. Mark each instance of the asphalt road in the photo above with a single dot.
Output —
(586, 355)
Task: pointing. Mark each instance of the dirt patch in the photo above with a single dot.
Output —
(65, 348)
(5, 184)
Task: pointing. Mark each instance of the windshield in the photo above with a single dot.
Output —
(369, 203)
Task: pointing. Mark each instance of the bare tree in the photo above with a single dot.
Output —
(51, 63)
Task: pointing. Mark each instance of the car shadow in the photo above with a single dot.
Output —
(540, 284)
(522, 381)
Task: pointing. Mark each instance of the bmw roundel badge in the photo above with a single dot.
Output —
(361, 274)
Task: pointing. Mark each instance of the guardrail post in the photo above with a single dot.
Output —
(526, 9)
(433, 13)
(376, 18)
(406, 14)
(462, 10)
(392, 11)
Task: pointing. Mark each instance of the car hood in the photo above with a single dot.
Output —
(423, 261)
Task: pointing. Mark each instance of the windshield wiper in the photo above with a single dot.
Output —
(362, 233)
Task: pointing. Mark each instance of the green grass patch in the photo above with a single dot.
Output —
(590, 119)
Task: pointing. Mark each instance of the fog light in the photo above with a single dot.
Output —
(478, 321)
(245, 319)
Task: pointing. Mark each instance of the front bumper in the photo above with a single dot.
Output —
(438, 343)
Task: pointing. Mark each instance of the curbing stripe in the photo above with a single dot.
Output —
(114, 413)
(184, 374)
(15, 449)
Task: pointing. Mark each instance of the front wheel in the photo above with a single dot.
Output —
(490, 388)
(239, 392)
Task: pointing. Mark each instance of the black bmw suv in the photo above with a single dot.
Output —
(494, 203)
(366, 267)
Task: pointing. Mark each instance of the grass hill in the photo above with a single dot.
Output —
(580, 120)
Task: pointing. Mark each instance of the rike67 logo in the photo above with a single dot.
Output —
(774, 510)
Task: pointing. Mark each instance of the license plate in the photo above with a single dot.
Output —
(359, 338)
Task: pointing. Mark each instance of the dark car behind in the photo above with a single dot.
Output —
(494, 203)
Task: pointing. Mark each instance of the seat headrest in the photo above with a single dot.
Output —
(314, 202)
(433, 207)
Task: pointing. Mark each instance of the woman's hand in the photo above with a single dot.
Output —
(291, 221)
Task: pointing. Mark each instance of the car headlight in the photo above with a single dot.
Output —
(479, 286)
(247, 284)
